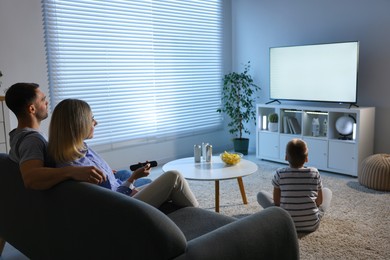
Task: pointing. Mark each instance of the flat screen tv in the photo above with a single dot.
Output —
(320, 72)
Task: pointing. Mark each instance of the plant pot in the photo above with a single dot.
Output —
(273, 127)
(241, 145)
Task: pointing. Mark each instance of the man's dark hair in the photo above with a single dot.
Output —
(19, 96)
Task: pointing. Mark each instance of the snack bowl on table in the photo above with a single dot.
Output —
(231, 158)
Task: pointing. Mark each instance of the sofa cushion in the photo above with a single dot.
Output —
(375, 173)
(194, 222)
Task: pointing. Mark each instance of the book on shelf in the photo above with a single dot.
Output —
(290, 126)
(294, 124)
(286, 126)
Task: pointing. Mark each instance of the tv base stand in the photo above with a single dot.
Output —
(272, 101)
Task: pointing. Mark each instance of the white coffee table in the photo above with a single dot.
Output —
(216, 170)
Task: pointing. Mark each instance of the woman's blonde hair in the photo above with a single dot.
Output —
(70, 125)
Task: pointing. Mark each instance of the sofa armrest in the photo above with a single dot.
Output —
(268, 234)
(96, 223)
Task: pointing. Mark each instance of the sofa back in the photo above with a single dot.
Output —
(76, 220)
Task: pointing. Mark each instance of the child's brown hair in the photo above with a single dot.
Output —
(296, 153)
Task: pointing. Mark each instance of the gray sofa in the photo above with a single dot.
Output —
(77, 220)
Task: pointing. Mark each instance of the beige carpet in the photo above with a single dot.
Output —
(357, 225)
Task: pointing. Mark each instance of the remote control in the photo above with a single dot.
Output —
(139, 165)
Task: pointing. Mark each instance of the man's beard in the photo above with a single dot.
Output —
(43, 116)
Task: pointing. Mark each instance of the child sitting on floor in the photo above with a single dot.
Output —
(298, 189)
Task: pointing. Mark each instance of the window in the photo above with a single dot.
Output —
(150, 69)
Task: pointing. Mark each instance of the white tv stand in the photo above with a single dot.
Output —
(327, 151)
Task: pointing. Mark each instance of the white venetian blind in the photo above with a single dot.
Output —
(149, 69)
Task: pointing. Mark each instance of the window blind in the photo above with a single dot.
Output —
(149, 69)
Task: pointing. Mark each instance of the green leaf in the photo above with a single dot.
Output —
(238, 100)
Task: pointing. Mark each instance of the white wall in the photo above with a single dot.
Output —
(22, 59)
(260, 24)
(22, 53)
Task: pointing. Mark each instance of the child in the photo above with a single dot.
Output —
(298, 189)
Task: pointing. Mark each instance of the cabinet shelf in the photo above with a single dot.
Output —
(327, 150)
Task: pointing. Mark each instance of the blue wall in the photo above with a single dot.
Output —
(260, 24)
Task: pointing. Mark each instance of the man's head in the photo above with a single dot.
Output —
(296, 153)
(26, 98)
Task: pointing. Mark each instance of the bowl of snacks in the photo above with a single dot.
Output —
(231, 158)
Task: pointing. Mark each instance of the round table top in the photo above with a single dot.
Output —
(208, 171)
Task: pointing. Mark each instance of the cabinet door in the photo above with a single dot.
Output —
(268, 145)
(2, 133)
(3, 148)
(1, 111)
(342, 157)
(318, 153)
(284, 139)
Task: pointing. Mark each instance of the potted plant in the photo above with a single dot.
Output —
(238, 102)
(273, 119)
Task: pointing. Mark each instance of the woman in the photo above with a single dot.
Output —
(72, 122)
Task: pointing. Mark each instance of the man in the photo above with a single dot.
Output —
(28, 146)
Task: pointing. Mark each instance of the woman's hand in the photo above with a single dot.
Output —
(140, 172)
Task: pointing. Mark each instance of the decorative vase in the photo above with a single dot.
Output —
(241, 145)
(273, 127)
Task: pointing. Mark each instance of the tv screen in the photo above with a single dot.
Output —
(320, 72)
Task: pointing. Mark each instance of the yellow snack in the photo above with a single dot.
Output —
(230, 158)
